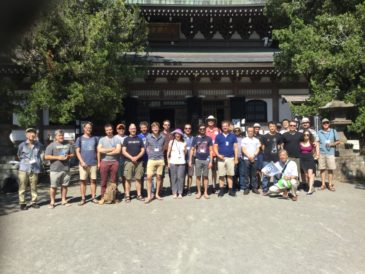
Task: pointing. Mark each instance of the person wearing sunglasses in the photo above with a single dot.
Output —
(291, 140)
(328, 139)
(307, 163)
(188, 138)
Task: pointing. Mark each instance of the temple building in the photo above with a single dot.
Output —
(210, 57)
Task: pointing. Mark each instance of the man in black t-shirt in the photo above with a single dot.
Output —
(271, 143)
(291, 141)
(133, 151)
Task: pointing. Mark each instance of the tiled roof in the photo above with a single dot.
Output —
(198, 2)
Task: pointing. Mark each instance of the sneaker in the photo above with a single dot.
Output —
(255, 191)
(246, 192)
(35, 205)
(23, 207)
(221, 193)
(188, 193)
(232, 193)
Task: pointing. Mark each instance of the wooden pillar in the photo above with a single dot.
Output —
(275, 104)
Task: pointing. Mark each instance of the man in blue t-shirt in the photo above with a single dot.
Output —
(328, 139)
(86, 152)
(143, 127)
(202, 148)
(226, 149)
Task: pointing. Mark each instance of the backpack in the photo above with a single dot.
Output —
(110, 194)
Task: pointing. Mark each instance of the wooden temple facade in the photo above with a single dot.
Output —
(210, 57)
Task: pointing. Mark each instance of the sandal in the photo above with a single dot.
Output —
(140, 198)
(127, 199)
(331, 188)
(94, 201)
(147, 201)
(67, 204)
(206, 196)
(51, 206)
(82, 202)
(198, 196)
(323, 187)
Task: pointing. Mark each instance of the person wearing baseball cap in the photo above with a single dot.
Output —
(328, 139)
(212, 131)
(29, 154)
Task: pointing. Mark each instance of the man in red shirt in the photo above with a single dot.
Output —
(212, 131)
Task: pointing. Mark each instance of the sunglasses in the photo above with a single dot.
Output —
(306, 134)
(293, 125)
(202, 128)
(325, 123)
(188, 128)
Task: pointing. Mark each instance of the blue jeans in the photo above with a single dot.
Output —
(250, 176)
(266, 179)
(239, 172)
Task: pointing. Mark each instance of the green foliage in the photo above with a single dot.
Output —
(77, 57)
(10, 99)
(324, 41)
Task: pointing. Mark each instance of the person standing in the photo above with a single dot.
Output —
(307, 164)
(143, 127)
(305, 124)
(284, 126)
(133, 151)
(291, 140)
(328, 139)
(260, 158)
(270, 144)
(202, 149)
(30, 164)
(239, 169)
(212, 131)
(108, 158)
(59, 152)
(176, 162)
(155, 148)
(188, 139)
(226, 149)
(166, 133)
(86, 152)
(121, 136)
(250, 150)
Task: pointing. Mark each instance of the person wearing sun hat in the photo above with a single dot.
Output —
(212, 131)
(176, 162)
(328, 139)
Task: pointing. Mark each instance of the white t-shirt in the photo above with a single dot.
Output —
(177, 156)
(251, 145)
(290, 170)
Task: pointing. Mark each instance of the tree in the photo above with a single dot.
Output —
(324, 41)
(77, 57)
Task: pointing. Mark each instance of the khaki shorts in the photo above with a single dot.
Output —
(88, 172)
(327, 162)
(155, 166)
(226, 167)
(133, 170)
(59, 178)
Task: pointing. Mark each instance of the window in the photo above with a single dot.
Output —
(256, 111)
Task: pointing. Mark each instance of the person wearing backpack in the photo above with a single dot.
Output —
(328, 139)
(86, 152)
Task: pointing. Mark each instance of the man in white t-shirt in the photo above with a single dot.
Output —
(250, 149)
(288, 179)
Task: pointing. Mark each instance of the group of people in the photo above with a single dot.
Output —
(236, 162)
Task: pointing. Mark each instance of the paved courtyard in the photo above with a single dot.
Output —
(322, 233)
